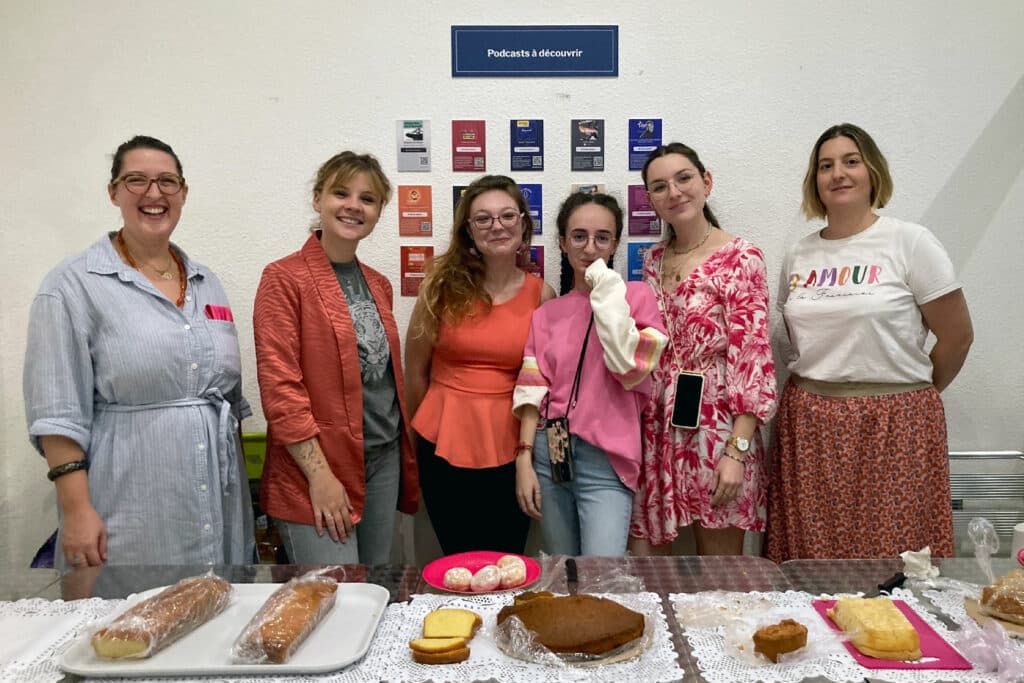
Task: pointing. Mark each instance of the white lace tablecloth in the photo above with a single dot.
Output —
(34, 634)
(53, 626)
(830, 659)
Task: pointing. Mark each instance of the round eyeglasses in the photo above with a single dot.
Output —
(602, 240)
(485, 221)
(659, 188)
(138, 183)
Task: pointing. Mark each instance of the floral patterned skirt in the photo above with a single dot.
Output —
(859, 477)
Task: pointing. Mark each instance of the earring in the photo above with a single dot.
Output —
(522, 249)
(474, 252)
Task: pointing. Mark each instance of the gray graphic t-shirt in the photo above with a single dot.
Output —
(381, 414)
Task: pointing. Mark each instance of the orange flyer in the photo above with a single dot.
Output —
(415, 211)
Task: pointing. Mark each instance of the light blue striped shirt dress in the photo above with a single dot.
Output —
(152, 394)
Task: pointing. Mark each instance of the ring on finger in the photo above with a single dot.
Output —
(77, 560)
(328, 515)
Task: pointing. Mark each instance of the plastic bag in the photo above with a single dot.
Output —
(158, 621)
(287, 618)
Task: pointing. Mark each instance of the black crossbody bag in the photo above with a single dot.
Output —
(557, 429)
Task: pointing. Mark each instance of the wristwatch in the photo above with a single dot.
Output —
(740, 444)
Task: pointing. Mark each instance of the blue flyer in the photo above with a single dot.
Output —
(534, 199)
(526, 142)
(644, 137)
(636, 259)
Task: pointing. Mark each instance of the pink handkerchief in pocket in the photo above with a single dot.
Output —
(219, 313)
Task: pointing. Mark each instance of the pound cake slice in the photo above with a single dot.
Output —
(577, 623)
(451, 622)
(877, 628)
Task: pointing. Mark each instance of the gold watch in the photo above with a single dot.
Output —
(741, 445)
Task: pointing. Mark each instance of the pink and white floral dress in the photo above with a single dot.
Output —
(717, 320)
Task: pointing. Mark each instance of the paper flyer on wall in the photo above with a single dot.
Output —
(526, 143)
(457, 192)
(587, 188)
(644, 138)
(536, 264)
(414, 265)
(587, 138)
(469, 146)
(413, 144)
(415, 211)
(642, 218)
(533, 195)
(635, 260)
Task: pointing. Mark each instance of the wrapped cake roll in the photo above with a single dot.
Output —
(160, 620)
(1004, 599)
(285, 620)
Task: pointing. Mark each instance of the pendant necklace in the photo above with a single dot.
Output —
(164, 274)
(677, 276)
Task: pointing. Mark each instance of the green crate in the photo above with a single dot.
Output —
(254, 445)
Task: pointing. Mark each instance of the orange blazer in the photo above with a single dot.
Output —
(310, 381)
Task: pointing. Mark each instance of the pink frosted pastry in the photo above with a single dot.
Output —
(487, 578)
(458, 579)
(513, 571)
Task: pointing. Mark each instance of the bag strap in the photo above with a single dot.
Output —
(575, 391)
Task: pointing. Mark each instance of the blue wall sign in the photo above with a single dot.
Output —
(531, 51)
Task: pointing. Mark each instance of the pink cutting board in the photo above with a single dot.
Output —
(936, 653)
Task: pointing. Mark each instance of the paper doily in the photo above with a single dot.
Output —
(389, 657)
(830, 661)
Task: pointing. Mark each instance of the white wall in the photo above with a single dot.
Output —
(255, 95)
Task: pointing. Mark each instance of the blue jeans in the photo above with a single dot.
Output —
(370, 542)
(589, 515)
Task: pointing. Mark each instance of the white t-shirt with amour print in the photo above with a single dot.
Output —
(852, 306)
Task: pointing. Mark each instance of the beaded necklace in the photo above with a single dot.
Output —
(174, 257)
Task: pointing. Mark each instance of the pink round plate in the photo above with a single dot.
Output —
(433, 573)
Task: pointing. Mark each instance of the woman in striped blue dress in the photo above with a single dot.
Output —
(132, 387)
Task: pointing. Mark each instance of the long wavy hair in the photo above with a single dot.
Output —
(455, 280)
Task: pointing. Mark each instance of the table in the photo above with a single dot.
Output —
(663, 575)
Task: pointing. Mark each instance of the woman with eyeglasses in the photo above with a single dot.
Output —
(861, 463)
(704, 460)
(463, 351)
(133, 387)
(339, 459)
(588, 359)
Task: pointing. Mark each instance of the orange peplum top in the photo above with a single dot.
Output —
(467, 410)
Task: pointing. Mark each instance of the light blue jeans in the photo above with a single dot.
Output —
(586, 516)
(370, 542)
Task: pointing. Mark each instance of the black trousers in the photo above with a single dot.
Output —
(471, 509)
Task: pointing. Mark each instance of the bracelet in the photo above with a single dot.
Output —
(66, 468)
(523, 446)
(729, 455)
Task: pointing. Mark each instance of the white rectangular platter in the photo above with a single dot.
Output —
(341, 638)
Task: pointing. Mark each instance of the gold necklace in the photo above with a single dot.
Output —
(707, 234)
(165, 273)
(676, 275)
(174, 257)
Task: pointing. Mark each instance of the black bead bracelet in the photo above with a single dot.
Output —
(66, 468)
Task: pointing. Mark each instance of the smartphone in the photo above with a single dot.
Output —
(689, 395)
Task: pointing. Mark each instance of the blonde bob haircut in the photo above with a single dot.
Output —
(342, 167)
(878, 170)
